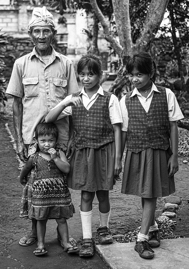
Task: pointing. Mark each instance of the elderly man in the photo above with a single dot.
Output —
(39, 81)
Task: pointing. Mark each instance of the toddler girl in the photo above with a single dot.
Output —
(51, 198)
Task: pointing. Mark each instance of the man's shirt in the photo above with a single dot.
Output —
(41, 86)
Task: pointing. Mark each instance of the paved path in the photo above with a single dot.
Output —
(125, 216)
(13, 256)
(172, 254)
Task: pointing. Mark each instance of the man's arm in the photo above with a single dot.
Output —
(17, 123)
(25, 171)
(72, 80)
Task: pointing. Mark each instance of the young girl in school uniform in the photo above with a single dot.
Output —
(149, 129)
(96, 159)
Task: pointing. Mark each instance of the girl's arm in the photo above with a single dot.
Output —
(117, 135)
(125, 117)
(123, 141)
(60, 160)
(55, 112)
(25, 171)
(173, 161)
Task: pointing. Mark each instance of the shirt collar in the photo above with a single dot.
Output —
(100, 91)
(54, 54)
(136, 92)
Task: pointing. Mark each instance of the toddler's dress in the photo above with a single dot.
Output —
(51, 198)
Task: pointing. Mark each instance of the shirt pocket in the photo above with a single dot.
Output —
(60, 87)
(31, 88)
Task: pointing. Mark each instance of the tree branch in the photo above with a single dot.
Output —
(153, 20)
(114, 43)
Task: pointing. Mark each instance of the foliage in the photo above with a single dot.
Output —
(3, 41)
(178, 29)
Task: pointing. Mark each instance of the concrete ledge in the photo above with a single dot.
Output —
(173, 253)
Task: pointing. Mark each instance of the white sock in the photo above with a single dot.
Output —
(104, 219)
(86, 221)
(154, 227)
(142, 237)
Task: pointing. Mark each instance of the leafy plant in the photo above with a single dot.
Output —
(3, 42)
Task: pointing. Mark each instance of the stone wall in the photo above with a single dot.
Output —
(16, 47)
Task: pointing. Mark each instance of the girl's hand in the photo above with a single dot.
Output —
(173, 165)
(53, 153)
(117, 168)
(75, 101)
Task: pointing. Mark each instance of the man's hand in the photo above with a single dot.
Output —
(22, 151)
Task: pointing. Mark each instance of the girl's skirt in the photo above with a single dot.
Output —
(92, 169)
(146, 174)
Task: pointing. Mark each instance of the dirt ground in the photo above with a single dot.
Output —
(126, 210)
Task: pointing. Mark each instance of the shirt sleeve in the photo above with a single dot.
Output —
(15, 86)
(71, 79)
(124, 113)
(114, 110)
(174, 110)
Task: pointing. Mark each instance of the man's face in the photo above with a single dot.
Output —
(42, 37)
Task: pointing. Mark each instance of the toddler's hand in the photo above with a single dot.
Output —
(53, 153)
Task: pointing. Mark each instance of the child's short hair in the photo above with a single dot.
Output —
(143, 62)
(46, 129)
(92, 62)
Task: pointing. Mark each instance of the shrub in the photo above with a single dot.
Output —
(3, 42)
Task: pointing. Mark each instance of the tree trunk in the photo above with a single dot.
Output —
(93, 49)
(122, 18)
(153, 20)
(125, 47)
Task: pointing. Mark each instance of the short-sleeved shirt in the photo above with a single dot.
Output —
(174, 111)
(114, 107)
(41, 87)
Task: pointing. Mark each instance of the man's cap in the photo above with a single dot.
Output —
(41, 17)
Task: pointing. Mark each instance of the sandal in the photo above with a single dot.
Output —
(104, 235)
(70, 250)
(40, 252)
(87, 248)
(73, 248)
(144, 250)
(27, 240)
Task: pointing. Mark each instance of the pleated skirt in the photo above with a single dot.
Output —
(92, 169)
(146, 174)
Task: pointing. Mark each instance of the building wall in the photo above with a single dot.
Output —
(71, 39)
(9, 20)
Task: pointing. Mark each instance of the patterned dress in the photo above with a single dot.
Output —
(51, 198)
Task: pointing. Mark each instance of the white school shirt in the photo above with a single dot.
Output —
(174, 111)
(114, 107)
